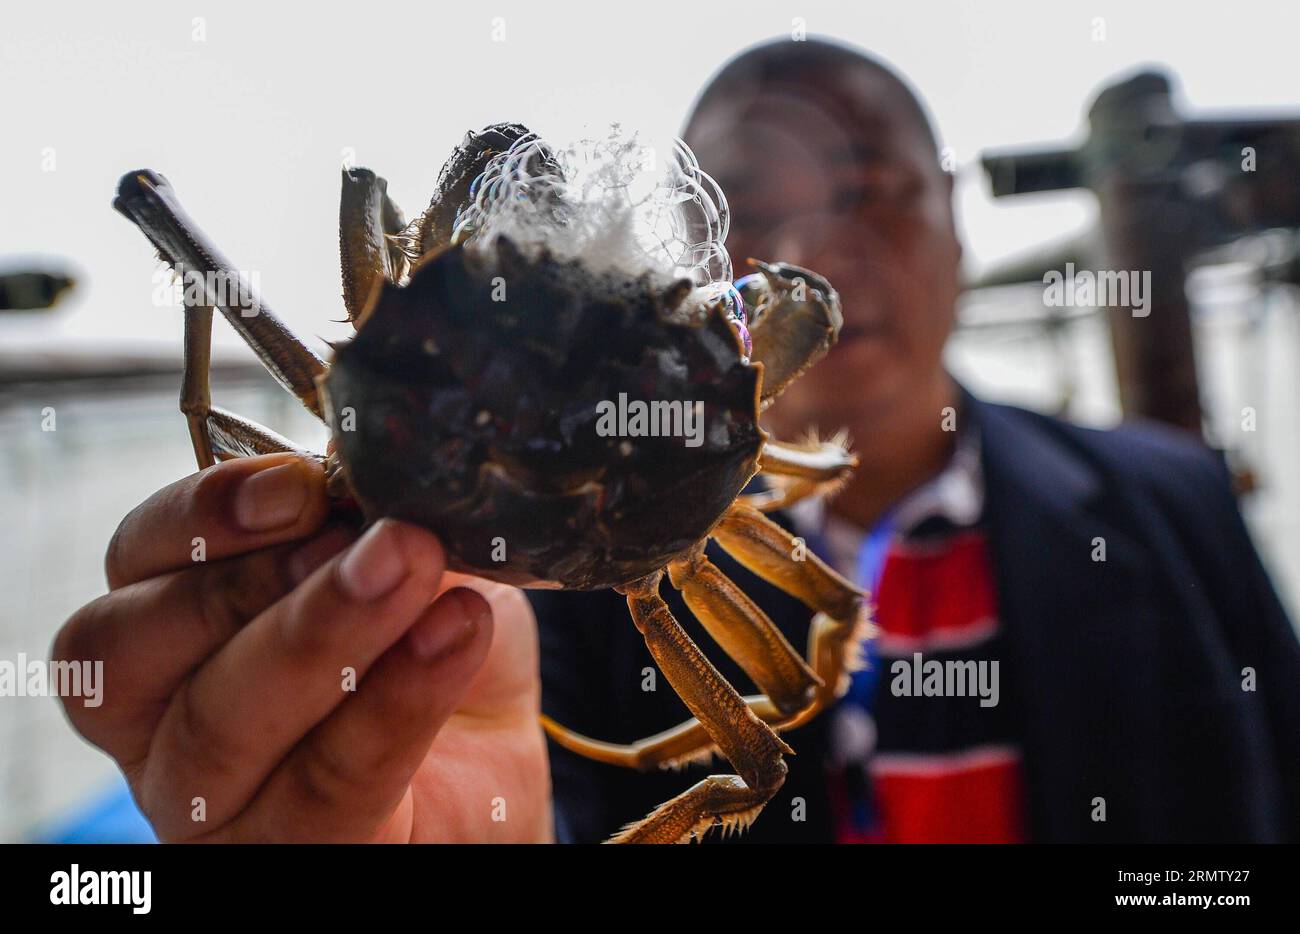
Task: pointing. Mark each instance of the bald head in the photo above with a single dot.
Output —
(828, 160)
(811, 67)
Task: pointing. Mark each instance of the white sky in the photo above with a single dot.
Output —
(251, 125)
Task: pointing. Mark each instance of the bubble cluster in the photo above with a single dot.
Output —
(613, 202)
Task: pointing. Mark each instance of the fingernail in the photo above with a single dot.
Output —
(449, 624)
(271, 498)
(303, 562)
(374, 566)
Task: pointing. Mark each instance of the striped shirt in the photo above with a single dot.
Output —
(923, 748)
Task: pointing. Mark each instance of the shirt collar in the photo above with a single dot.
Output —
(955, 495)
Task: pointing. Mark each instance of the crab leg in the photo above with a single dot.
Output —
(747, 635)
(196, 398)
(841, 621)
(216, 433)
(747, 742)
(148, 200)
(235, 436)
(797, 471)
(835, 637)
(744, 631)
(679, 746)
(366, 217)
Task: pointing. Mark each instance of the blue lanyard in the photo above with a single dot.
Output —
(870, 569)
(875, 547)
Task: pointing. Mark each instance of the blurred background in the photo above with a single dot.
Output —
(250, 111)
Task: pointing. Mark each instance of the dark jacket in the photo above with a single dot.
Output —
(1125, 676)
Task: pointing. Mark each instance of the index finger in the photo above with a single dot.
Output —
(228, 509)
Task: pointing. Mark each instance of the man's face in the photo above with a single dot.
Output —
(837, 175)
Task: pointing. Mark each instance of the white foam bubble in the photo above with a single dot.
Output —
(613, 202)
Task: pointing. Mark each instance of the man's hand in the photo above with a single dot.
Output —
(268, 678)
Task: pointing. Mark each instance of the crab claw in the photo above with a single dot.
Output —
(788, 277)
(794, 318)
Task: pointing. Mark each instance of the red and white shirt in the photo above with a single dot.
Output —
(923, 746)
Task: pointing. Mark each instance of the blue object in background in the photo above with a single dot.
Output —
(110, 817)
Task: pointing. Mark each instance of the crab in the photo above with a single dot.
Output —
(477, 418)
